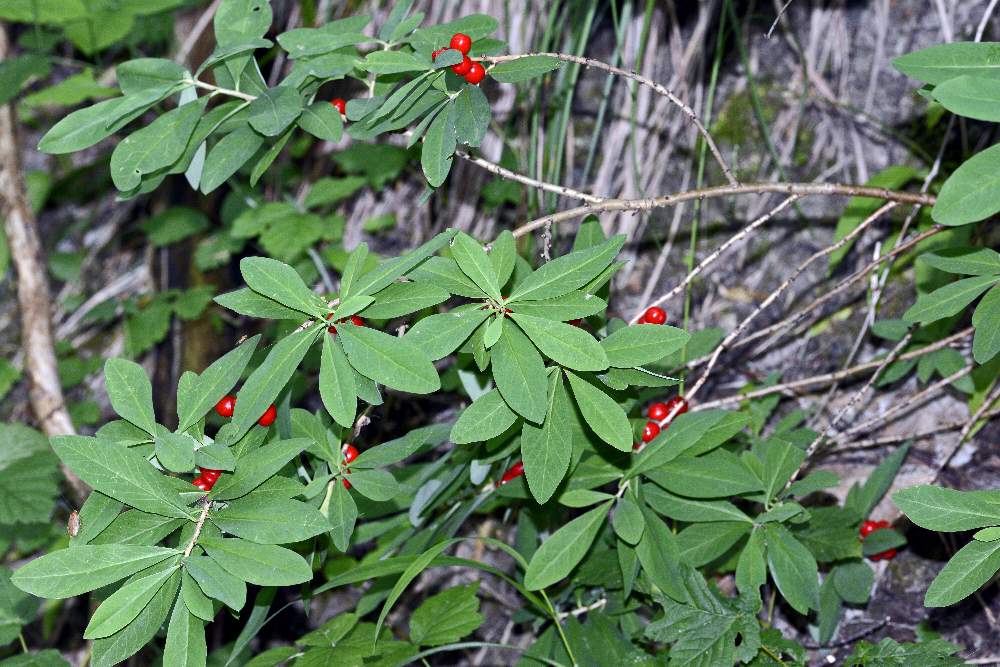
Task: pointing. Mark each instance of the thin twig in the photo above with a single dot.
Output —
(206, 504)
(503, 172)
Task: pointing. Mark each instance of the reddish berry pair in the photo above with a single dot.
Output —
(470, 70)
(654, 315)
(350, 453)
(355, 320)
(206, 479)
(512, 473)
(869, 527)
(340, 104)
(660, 411)
(227, 406)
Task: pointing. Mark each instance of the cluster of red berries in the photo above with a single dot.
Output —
(657, 413)
(869, 527)
(653, 315)
(206, 478)
(340, 104)
(355, 320)
(350, 453)
(512, 473)
(227, 405)
(470, 70)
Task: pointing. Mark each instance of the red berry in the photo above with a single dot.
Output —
(888, 554)
(576, 323)
(513, 472)
(636, 446)
(347, 485)
(461, 42)
(867, 528)
(340, 104)
(434, 56)
(226, 406)
(269, 416)
(658, 411)
(673, 403)
(463, 67)
(650, 431)
(210, 475)
(475, 74)
(357, 321)
(654, 315)
(350, 452)
(201, 484)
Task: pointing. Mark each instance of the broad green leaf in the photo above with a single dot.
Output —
(440, 335)
(418, 565)
(582, 497)
(486, 418)
(195, 599)
(643, 344)
(567, 273)
(185, 645)
(81, 129)
(336, 383)
(627, 520)
(276, 280)
(389, 360)
(687, 509)
(261, 564)
(124, 604)
(257, 467)
(389, 270)
(781, 459)
(986, 320)
(155, 146)
(237, 21)
(853, 581)
(121, 473)
(227, 156)
(524, 68)
(972, 192)
(342, 513)
(393, 62)
(217, 583)
(602, 414)
(565, 344)
(751, 568)
(970, 96)
(399, 449)
(175, 451)
(472, 116)
(377, 485)
(268, 520)
(547, 450)
(660, 557)
(141, 74)
(443, 272)
(436, 156)
(520, 374)
(275, 110)
(130, 393)
(948, 300)
(223, 53)
(703, 543)
(566, 547)
(475, 263)
(302, 42)
(948, 510)
(247, 302)
(878, 483)
(139, 528)
(571, 306)
(964, 261)
(213, 383)
(70, 572)
(98, 512)
(991, 534)
(322, 120)
(446, 617)
(793, 568)
(117, 648)
(719, 474)
(939, 63)
(401, 299)
(268, 379)
(967, 571)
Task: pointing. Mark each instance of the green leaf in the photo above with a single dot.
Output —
(175, 451)
(602, 414)
(751, 568)
(389, 360)
(215, 456)
(643, 344)
(446, 617)
(303, 42)
(98, 512)
(853, 581)
(523, 69)
(138, 528)
(155, 146)
(520, 374)
(216, 583)
(124, 604)
(970, 96)
(336, 384)
(702, 543)
(268, 379)
(29, 476)
(436, 156)
(967, 571)
(972, 192)
(399, 449)
(627, 521)
(228, 155)
(393, 62)
(878, 483)
(571, 306)
(214, 382)
(781, 460)
(247, 302)
(401, 299)
(716, 475)
(948, 510)
(268, 520)
(939, 63)
(547, 450)
(388, 271)
(440, 335)
(142, 74)
(342, 513)
(793, 568)
(686, 509)
(322, 120)
(81, 129)
(185, 645)
(257, 467)
(418, 565)
(964, 261)
(274, 110)
(948, 300)
(472, 116)
(276, 280)
(560, 553)
(486, 418)
(121, 473)
(986, 342)
(195, 599)
(70, 572)
(109, 651)
(261, 564)
(130, 393)
(377, 485)
(237, 21)
(476, 264)
(565, 344)
(567, 273)
(443, 272)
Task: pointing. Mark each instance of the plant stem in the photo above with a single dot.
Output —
(562, 635)
(206, 504)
